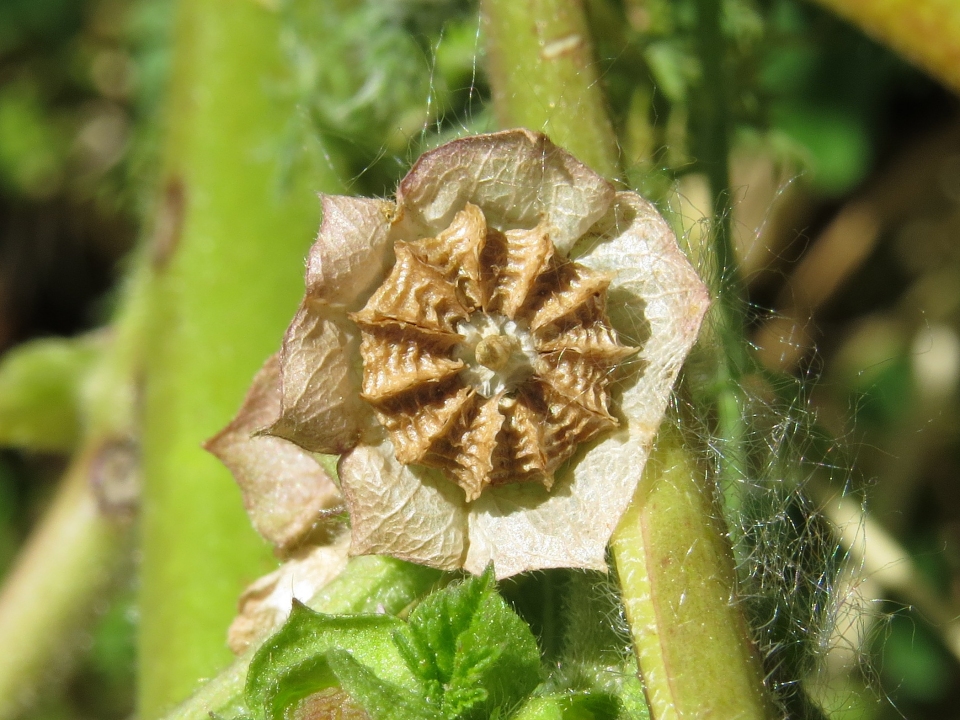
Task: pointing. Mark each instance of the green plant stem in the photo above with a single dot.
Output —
(550, 621)
(926, 32)
(71, 558)
(700, 660)
(677, 579)
(52, 591)
(544, 76)
(234, 230)
(711, 133)
(368, 584)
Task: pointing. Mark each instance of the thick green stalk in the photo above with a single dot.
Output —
(544, 76)
(368, 584)
(677, 579)
(926, 32)
(232, 233)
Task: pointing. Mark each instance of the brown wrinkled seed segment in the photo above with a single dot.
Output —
(514, 267)
(416, 293)
(545, 366)
(406, 357)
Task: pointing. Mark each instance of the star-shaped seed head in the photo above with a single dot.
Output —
(488, 355)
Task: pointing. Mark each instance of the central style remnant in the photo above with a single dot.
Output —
(488, 355)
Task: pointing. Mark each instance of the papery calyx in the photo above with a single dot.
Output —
(488, 355)
(462, 325)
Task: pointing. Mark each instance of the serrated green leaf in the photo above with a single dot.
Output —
(293, 663)
(471, 652)
(40, 388)
(429, 643)
(380, 699)
(464, 654)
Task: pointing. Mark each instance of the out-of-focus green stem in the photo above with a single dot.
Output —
(711, 134)
(40, 392)
(368, 584)
(232, 234)
(53, 589)
(676, 575)
(544, 76)
(731, 427)
(711, 143)
(926, 32)
(71, 558)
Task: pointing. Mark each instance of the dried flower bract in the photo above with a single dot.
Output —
(491, 355)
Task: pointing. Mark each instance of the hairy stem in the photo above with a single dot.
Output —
(544, 76)
(232, 234)
(711, 133)
(677, 579)
(368, 584)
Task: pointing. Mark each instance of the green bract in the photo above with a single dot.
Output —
(463, 654)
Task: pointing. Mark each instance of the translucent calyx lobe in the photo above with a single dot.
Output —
(488, 355)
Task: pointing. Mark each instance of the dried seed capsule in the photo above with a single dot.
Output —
(487, 358)
(488, 355)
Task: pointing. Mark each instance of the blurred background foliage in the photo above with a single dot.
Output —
(80, 89)
(845, 168)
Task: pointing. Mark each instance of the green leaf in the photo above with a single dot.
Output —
(913, 661)
(464, 654)
(40, 388)
(596, 666)
(380, 699)
(673, 68)
(835, 144)
(571, 706)
(34, 143)
(293, 663)
(471, 652)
